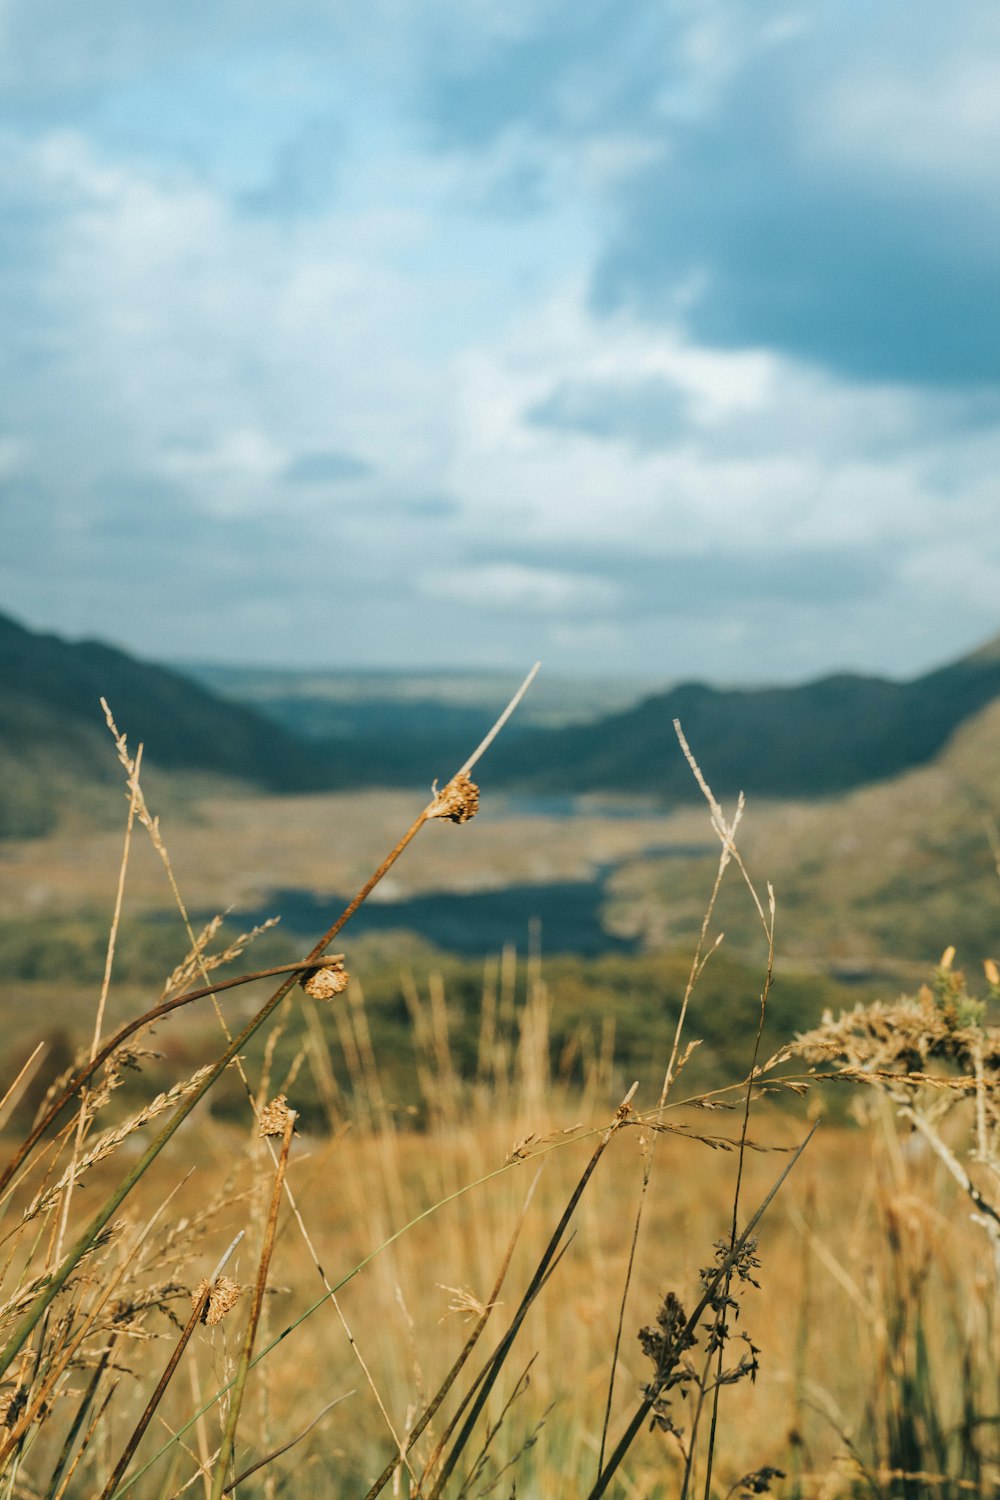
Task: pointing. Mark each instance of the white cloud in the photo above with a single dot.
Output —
(934, 123)
(510, 587)
(171, 349)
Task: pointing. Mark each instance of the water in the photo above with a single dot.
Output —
(470, 923)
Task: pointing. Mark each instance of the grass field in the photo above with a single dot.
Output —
(867, 1238)
(594, 1252)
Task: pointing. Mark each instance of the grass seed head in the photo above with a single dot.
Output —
(274, 1117)
(327, 982)
(12, 1404)
(458, 801)
(222, 1298)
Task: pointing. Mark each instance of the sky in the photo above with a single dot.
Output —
(650, 338)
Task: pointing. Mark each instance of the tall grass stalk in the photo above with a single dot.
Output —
(439, 806)
(442, 1415)
(198, 1309)
(225, 1455)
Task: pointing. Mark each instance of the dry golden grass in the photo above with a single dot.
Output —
(861, 1203)
(370, 1255)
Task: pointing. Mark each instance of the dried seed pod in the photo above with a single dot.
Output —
(275, 1116)
(224, 1295)
(459, 800)
(331, 980)
(12, 1404)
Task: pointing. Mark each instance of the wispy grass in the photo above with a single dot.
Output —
(597, 1379)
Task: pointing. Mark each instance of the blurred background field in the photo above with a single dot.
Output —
(510, 981)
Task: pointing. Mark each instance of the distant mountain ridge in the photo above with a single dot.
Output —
(52, 734)
(814, 740)
(811, 741)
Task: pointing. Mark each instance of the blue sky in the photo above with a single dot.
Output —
(656, 337)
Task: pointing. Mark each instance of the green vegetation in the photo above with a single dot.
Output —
(623, 1008)
(50, 692)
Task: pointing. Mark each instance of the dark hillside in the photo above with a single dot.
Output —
(53, 741)
(183, 726)
(811, 741)
(805, 742)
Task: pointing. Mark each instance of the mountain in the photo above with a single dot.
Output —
(815, 740)
(886, 874)
(54, 745)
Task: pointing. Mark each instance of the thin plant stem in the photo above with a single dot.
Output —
(727, 832)
(711, 1287)
(225, 1454)
(499, 1354)
(520, 1386)
(109, 957)
(78, 1420)
(269, 1459)
(506, 1344)
(148, 1018)
(431, 1409)
(88, 1435)
(23, 1078)
(59, 1365)
(200, 1303)
(697, 966)
(740, 1162)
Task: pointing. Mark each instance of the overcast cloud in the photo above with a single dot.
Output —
(656, 338)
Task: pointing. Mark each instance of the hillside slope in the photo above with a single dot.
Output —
(53, 742)
(810, 741)
(816, 740)
(893, 871)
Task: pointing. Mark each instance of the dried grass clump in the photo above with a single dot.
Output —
(276, 1117)
(458, 801)
(938, 1038)
(104, 1302)
(928, 1054)
(932, 1061)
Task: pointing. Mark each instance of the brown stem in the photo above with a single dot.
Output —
(78, 1421)
(456, 1369)
(84, 1074)
(157, 1396)
(24, 1329)
(690, 1328)
(201, 1301)
(239, 1385)
(534, 1285)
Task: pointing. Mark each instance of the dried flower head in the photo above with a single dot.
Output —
(274, 1117)
(331, 980)
(666, 1345)
(224, 1295)
(459, 800)
(759, 1481)
(12, 1404)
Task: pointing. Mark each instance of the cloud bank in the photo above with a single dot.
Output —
(656, 339)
